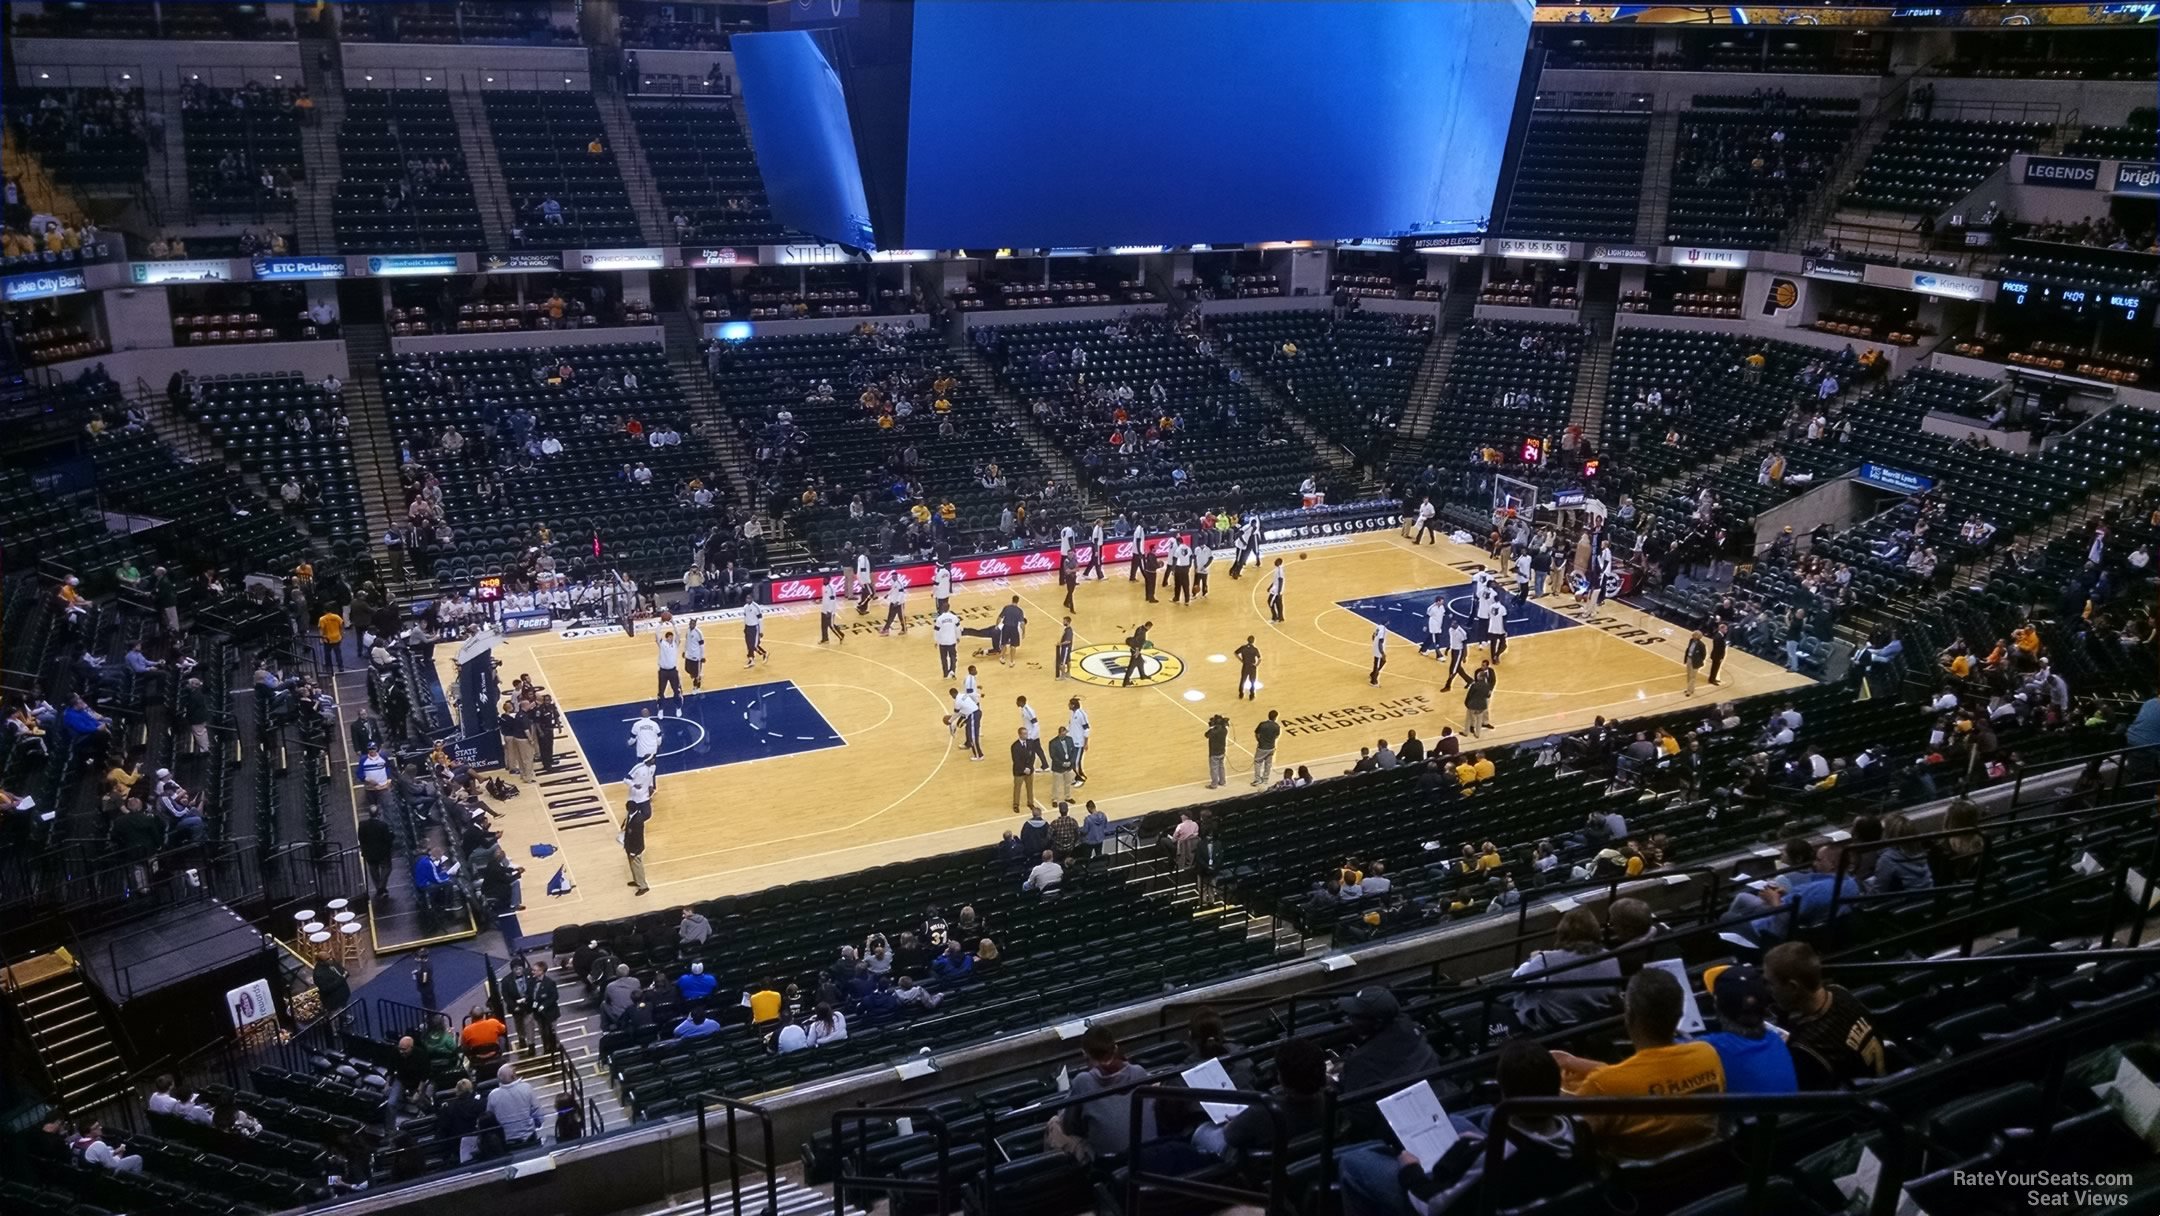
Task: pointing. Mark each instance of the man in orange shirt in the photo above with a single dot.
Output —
(482, 1037)
(332, 628)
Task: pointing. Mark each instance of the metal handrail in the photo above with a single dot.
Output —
(920, 1116)
(768, 1164)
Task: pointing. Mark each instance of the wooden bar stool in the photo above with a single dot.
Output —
(319, 944)
(336, 906)
(301, 920)
(348, 934)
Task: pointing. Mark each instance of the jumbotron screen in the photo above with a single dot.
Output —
(1077, 123)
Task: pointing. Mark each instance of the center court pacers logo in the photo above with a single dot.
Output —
(1105, 666)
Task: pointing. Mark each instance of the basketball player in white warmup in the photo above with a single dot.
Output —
(645, 735)
(693, 655)
(1435, 627)
(753, 634)
(670, 677)
(829, 611)
(945, 631)
(1076, 724)
(896, 605)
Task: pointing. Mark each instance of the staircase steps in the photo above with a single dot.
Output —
(645, 202)
(981, 374)
(483, 165)
(1655, 205)
(1858, 230)
(1425, 391)
(1588, 408)
(374, 443)
(70, 1035)
(683, 353)
(794, 1199)
(1333, 456)
(165, 182)
(319, 149)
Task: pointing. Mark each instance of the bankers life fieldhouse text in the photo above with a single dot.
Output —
(1357, 715)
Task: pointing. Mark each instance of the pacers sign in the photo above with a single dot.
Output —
(1104, 666)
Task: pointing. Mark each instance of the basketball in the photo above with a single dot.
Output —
(666, 617)
(1303, 556)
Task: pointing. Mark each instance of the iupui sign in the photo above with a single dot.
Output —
(964, 570)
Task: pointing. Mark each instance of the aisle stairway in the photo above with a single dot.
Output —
(167, 183)
(1827, 218)
(683, 348)
(1656, 201)
(981, 374)
(374, 446)
(1335, 458)
(1588, 409)
(483, 165)
(794, 1199)
(637, 180)
(68, 1030)
(1425, 391)
(319, 148)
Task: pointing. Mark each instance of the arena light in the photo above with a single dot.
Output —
(1218, 658)
(1194, 694)
(735, 331)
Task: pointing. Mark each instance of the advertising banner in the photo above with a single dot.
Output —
(271, 268)
(41, 285)
(393, 265)
(706, 257)
(1955, 287)
(184, 270)
(1338, 519)
(1899, 480)
(2138, 177)
(1708, 259)
(520, 263)
(805, 588)
(1543, 251)
(620, 259)
(2064, 172)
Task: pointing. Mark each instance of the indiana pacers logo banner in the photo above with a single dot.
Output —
(1783, 294)
(1105, 666)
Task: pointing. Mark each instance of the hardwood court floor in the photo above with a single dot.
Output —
(827, 759)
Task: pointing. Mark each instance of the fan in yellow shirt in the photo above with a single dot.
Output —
(765, 1005)
(1660, 1067)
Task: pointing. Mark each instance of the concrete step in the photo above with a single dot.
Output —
(483, 167)
(637, 179)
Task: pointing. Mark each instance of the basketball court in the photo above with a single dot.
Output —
(832, 758)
